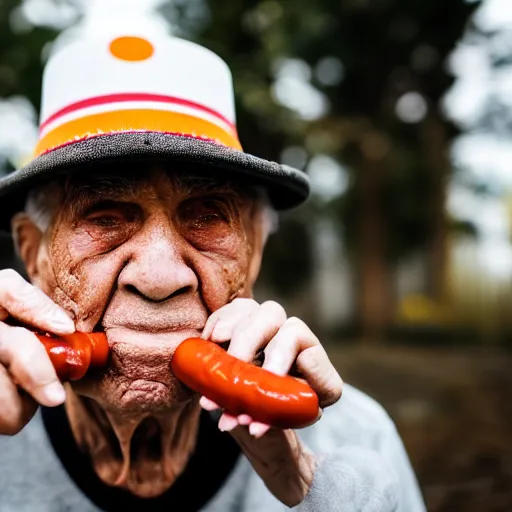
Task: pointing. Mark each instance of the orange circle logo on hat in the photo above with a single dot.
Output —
(132, 49)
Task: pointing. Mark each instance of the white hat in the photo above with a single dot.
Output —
(126, 96)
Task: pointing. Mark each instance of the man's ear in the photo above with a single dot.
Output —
(27, 239)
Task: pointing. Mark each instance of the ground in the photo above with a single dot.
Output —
(453, 410)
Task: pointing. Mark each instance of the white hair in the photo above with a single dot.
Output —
(42, 204)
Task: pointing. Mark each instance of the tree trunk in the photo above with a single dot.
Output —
(375, 280)
(435, 147)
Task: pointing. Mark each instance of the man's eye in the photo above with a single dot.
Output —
(207, 218)
(201, 214)
(106, 220)
(110, 214)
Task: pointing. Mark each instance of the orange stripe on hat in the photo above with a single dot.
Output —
(136, 120)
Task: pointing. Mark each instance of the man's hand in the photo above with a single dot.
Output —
(27, 376)
(278, 456)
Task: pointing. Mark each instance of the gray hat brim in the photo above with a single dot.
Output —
(287, 187)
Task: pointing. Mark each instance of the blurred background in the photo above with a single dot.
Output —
(400, 111)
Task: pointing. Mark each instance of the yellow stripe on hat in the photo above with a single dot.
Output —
(135, 120)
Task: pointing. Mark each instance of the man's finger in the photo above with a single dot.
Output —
(220, 326)
(25, 358)
(227, 422)
(282, 351)
(16, 408)
(257, 429)
(254, 333)
(321, 375)
(30, 305)
(208, 405)
(296, 343)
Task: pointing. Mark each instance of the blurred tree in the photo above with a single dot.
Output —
(380, 69)
(358, 80)
(21, 53)
(21, 66)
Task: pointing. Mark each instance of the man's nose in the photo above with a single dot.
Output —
(157, 268)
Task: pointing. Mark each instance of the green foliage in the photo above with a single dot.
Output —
(21, 55)
(383, 48)
(387, 48)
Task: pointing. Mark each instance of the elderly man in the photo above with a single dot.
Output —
(141, 216)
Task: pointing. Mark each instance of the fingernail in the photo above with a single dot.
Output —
(276, 364)
(257, 430)
(61, 319)
(221, 332)
(207, 404)
(244, 419)
(226, 423)
(55, 393)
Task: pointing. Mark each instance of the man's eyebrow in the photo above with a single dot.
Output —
(127, 186)
(81, 192)
(197, 184)
(104, 185)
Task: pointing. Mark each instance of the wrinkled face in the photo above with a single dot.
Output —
(147, 260)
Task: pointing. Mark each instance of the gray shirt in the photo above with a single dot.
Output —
(363, 468)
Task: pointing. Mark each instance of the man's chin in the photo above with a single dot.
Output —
(146, 394)
(123, 396)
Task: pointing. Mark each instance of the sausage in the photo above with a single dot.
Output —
(236, 386)
(242, 388)
(72, 355)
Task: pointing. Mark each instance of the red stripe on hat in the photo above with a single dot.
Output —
(124, 97)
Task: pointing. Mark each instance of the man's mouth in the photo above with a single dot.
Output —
(140, 361)
(139, 353)
(140, 337)
(153, 321)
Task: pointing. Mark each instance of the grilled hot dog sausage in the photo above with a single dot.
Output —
(242, 388)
